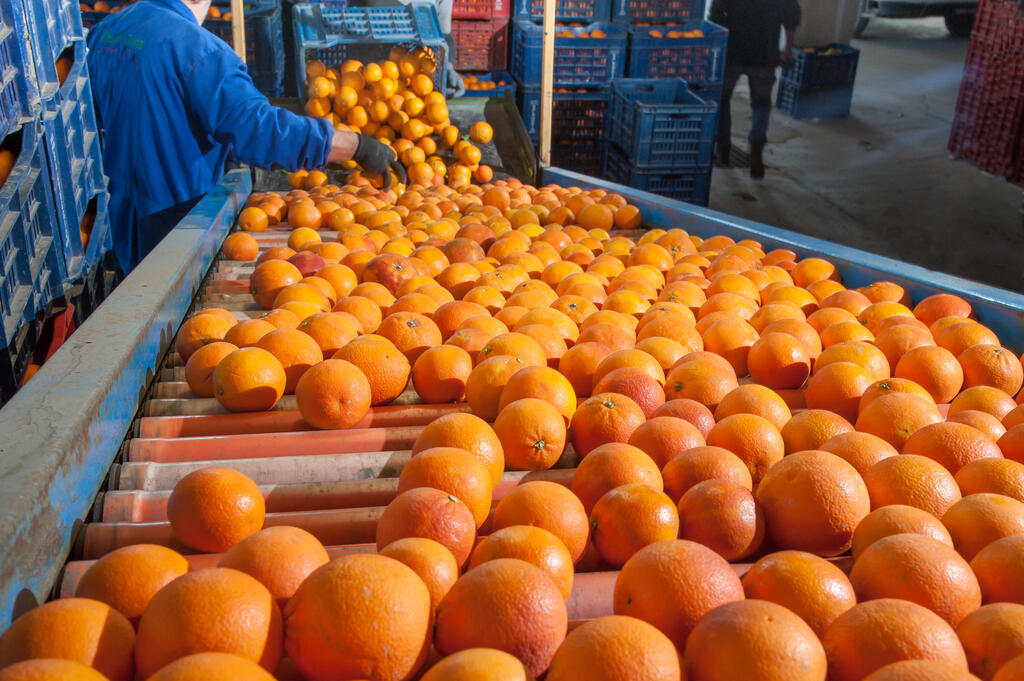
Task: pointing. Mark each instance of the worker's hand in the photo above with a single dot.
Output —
(377, 159)
(788, 58)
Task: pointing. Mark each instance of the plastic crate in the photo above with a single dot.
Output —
(90, 18)
(830, 65)
(692, 184)
(333, 35)
(480, 45)
(264, 43)
(661, 123)
(658, 11)
(54, 25)
(100, 238)
(579, 62)
(827, 102)
(497, 90)
(30, 274)
(581, 156)
(480, 9)
(574, 115)
(699, 61)
(565, 10)
(19, 97)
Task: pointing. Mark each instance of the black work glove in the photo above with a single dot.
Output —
(377, 158)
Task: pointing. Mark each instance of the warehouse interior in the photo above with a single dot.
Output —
(444, 340)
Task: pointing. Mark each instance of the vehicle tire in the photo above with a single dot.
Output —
(960, 25)
(862, 18)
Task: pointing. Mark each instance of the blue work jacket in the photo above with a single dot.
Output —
(173, 101)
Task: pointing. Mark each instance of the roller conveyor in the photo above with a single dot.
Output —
(116, 377)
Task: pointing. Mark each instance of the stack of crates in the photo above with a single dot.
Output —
(820, 84)
(54, 230)
(480, 35)
(264, 36)
(590, 52)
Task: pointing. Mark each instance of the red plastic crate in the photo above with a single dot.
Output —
(480, 9)
(480, 45)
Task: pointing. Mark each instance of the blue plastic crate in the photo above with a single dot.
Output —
(498, 90)
(661, 123)
(581, 156)
(91, 18)
(657, 11)
(692, 184)
(826, 102)
(54, 25)
(264, 42)
(100, 238)
(565, 10)
(579, 62)
(72, 143)
(699, 61)
(19, 97)
(574, 115)
(334, 35)
(830, 65)
(30, 271)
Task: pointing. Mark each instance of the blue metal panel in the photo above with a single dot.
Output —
(1000, 310)
(63, 430)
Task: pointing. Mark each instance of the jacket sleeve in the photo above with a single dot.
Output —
(791, 14)
(224, 99)
(719, 13)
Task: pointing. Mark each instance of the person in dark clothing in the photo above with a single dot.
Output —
(753, 50)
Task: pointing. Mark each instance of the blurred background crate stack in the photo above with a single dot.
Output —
(820, 85)
(693, 51)
(490, 84)
(19, 96)
(988, 127)
(578, 119)
(660, 138)
(480, 34)
(332, 35)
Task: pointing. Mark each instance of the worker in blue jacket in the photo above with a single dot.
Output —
(173, 101)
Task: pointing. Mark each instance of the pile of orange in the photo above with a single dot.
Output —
(473, 82)
(701, 402)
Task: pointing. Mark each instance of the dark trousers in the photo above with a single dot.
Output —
(761, 80)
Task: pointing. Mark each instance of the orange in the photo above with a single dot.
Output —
(983, 398)
(281, 318)
(240, 246)
(806, 584)
(991, 365)
(431, 561)
(997, 567)
(454, 471)
(1011, 443)
(859, 352)
(547, 505)
(464, 431)
(506, 604)
(303, 292)
(212, 666)
(722, 516)
(895, 417)
(983, 421)
(845, 332)
(176, 622)
(812, 428)
(877, 633)
(899, 339)
(604, 649)
(688, 410)
(630, 358)
(478, 664)
(295, 350)
(992, 635)
(939, 305)
(732, 339)
(603, 418)
(440, 374)
(977, 520)
(126, 578)
(779, 360)
(930, 573)
(481, 132)
(270, 278)
(892, 385)
(200, 366)
(333, 394)
(363, 309)
(933, 368)
(663, 437)
(532, 544)
(543, 383)
(359, 616)
(50, 670)
(487, 381)
(450, 316)
(897, 519)
(700, 464)
(214, 508)
(635, 384)
(959, 337)
(838, 388)
(615, 336)
(754, 399)
(411, 332)
(629, 517)
(430, 513)
(532, 434)
(992, 475)
(755, 440)
(673, 584)
(252, 219)
(953, 445)
(701, 376)
(385, 368)
(912, 480)
(920, 670)
(665, 351)
(756, 638)
(76, 629)
(280, 558)
(1011, 671)
(200, 330)
(579, 363)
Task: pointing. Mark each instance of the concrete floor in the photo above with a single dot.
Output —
(882, 179)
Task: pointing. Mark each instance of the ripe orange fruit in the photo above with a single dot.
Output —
(579, 363)
(673, 584)
(977, 520)
(176, 622)
(992, 635)
(756, 635)
(333, 394)
(249, 379)
(953, 445)
(532, 434)
(200, 330)
(506, 604)
(534, 545)
(838, 387)
(933, 368)
(200, 366)
(478, 664)
(385, 368)
(430, 513)
(700, 464)
(914, 481)
(543, 383)
(896, 416)
(248, 332)
(440, 374)
(919, 670)
(997, 567)
(664, 437)
(212, 509)
(755, 440)
(331, 330)
(897, 519)
(892, 385)
(629, 517)
(359, 616)
(280, 558)
(860, 450)
(50, 670)
(295, 350)
(983, 398)
(127, 578)
(468, 432)
(547, 505)
(454, 471)
(487, 381)
(270, 278)
(812, 428)
(931, 574)
(988, 424)
(212, 666)
(722, 516)
(240, 246)
(431, 561)
(754, 399)
(635, 384)
(779, 360)
(604, 649)
(609, 466)
(411, 332)
(899, 339)
(1011, 443)
(604, 418)
(879, 632)
(991, 365)
(76, 629)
